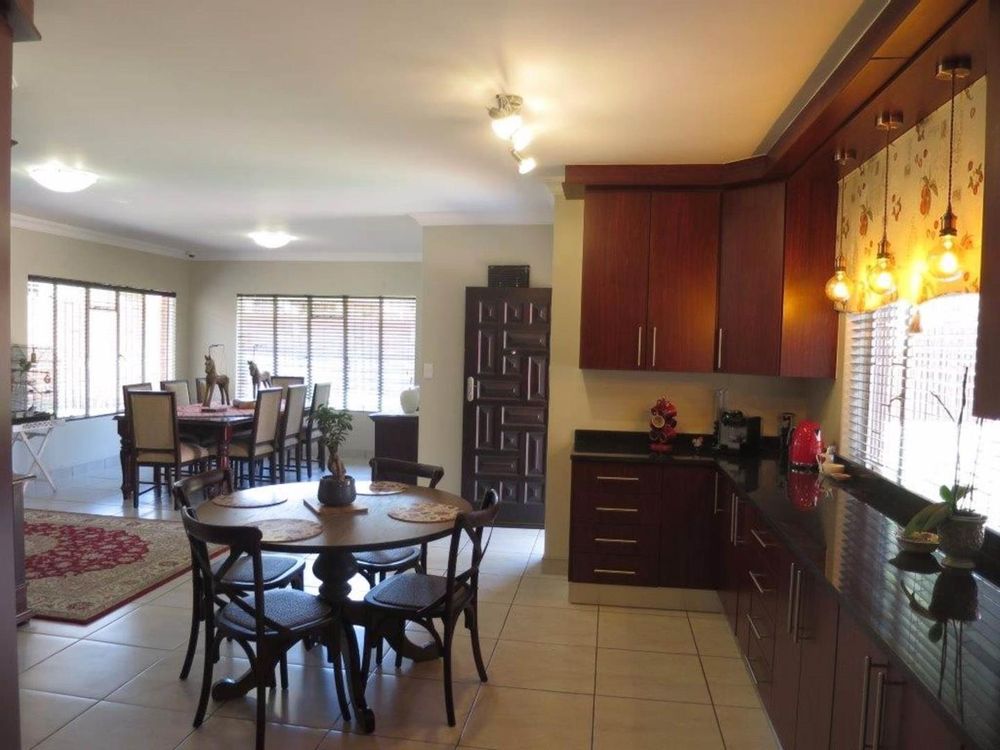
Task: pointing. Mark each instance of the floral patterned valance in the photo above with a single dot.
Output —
(918, 183)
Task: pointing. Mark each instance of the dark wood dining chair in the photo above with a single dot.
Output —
(423, 598)
(279, 570)
(265, 623)
(289, 442)
(310, 430)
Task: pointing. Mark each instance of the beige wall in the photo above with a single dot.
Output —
(456, 258)
(620, 400)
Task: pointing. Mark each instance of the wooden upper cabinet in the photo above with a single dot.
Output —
(809, 322)
(683, 281)
(750, 280)
(615, 272)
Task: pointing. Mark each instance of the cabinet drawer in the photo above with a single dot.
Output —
(610, 568)
(763, 592)
(619, 510)
(614, 538)
(616, 479)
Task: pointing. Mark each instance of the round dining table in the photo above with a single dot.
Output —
(343, 531)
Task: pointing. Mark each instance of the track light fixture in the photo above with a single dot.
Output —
(508, 124)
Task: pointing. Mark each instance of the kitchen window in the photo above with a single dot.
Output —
(906, 366)
(363, 346)
(93, 338)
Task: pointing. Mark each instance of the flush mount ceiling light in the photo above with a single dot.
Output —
(60, 178)
(507, 123)
(943, 263)
(272, 240)
(840, 286)
(882, 274)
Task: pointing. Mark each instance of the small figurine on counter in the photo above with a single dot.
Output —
(662, 426)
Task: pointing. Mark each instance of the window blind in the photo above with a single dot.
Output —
(363, 346)
(904, 390)
(95, 338)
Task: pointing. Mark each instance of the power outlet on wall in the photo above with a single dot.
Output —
(428, 370)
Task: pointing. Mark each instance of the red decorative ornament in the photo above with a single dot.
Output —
(662, 426)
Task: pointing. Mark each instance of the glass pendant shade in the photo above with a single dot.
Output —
(943, 263)
(840, 287)
(882, 274)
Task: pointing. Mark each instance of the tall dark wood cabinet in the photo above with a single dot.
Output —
(751, 275)
(615, 269)
(396, 436)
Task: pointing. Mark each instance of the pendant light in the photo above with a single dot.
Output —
(943, 263)
(882, 274)
(840, 287)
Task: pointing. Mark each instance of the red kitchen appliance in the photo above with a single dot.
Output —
(807, 443)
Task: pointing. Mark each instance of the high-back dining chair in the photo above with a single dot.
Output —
(156, 441)
(265, 623)
(200, 386)
(262, 440)
(279, 570)
(181, 388)
(291, 427)
(422, 598)
(283, 381)
(310, 432)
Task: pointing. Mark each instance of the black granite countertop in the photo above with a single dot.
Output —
(942, 626)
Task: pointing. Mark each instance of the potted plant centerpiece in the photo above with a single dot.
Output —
(336, 488)
(959, 528)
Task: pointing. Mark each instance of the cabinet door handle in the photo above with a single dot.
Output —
(613, 572)
(755, 580)
(798, 606)
(470, 388)
(653, 353)
(760, 541)
(715, 497)
(791, 598)
(732, 519)
(753, 628)
(608, 540)
(753, 674)
(606, 509)
(863, 724)
(879, 710)
(617, 479)
(736, 521)
(638, 355)
(718, 352)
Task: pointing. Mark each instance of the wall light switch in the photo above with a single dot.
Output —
(428, 370)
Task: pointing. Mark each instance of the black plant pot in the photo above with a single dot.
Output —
(336, 493)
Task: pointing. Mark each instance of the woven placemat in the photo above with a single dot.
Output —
(288, 529)
(238, 501)
(379, 488)
(424, 512)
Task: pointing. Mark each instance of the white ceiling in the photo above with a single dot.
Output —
(351, 123)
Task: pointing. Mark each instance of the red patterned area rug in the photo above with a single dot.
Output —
(80, 567)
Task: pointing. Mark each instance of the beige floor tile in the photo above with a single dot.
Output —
(113, 725)
(729, 683)
(492, 617)
(568, 627)
(178, 596)
(498, 588)
(463, 664)
(310, 701)
(498, 563)
(220, 732)
(160, 685)
(547, 566)
(35, 647)
(543, 666)
(713, 636)
(656, 676)
(150, 627)
(44, 713)
(650, 725)
(410, 709)
(546, 591)
(745, 729)
(348, 741)
(644, 611)
(513, 719)
(89, 669)
(644, 632)
(72, 630)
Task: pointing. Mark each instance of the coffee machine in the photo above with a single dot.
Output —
(734, 431)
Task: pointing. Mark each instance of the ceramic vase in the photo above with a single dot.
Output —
(335, 493)
(962, 537)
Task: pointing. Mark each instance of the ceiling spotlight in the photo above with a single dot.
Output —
(271, 240)
(524, 163)
(61, 179)
(522, 139)
(506, 115)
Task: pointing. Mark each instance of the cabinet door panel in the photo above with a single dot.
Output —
(750, 279)
(683, 281)
(615, 270)
(858, 664)
(687, 556)
(817, 629)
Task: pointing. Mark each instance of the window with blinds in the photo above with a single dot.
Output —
(906, 367)
(363, 346)
(95, 338)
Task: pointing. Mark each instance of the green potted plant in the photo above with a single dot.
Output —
(336, 488)
(959, 527)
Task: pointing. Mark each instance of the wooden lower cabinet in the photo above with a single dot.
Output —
(687, 554)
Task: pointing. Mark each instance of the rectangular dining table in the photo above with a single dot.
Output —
(220, 421)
